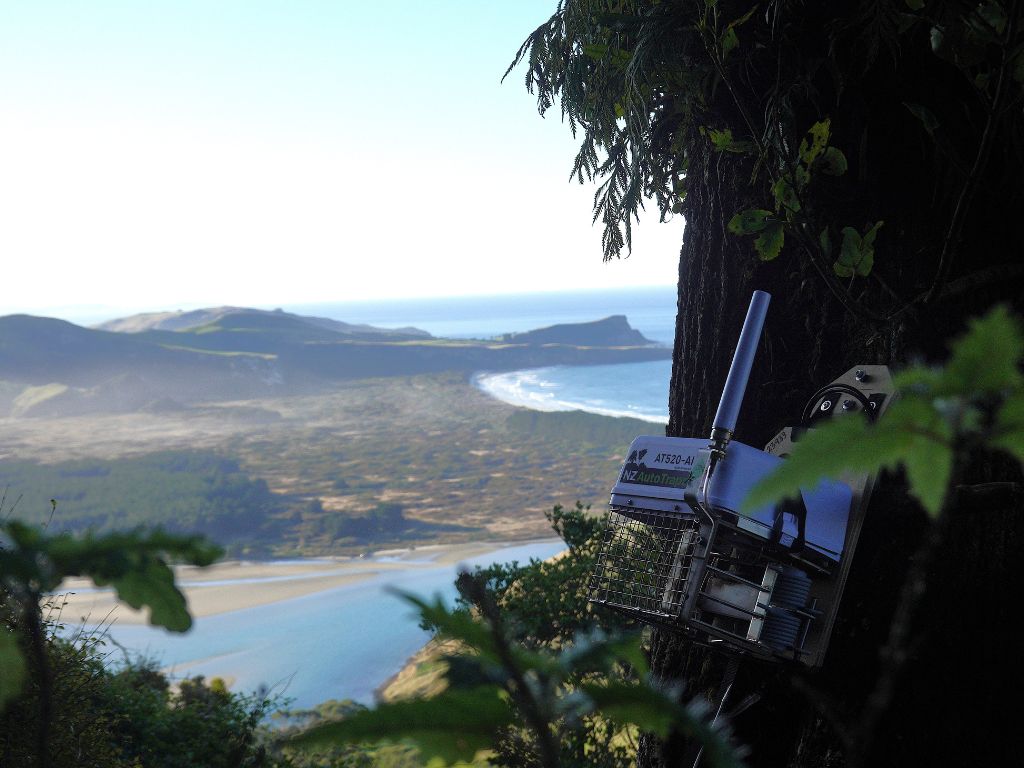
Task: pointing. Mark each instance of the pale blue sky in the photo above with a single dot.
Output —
(175, 154)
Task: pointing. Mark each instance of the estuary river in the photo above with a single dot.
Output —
(340, 643)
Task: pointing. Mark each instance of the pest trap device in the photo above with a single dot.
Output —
(677, 551)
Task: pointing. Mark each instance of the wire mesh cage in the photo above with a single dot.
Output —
(645, 562)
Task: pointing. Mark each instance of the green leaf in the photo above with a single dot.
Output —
(849, 253)
(595, 51)
(749, 222)
(827, 451)
(928, 472)
(769, 243)
(868, 241)
(815, 142)
(1009, 426)
(720, 139)
(153, 585)
(802, 177)
(723, 141)
(918, 379)
(912, 434)
(729, 42)
(915, 5)
(833, 162)
(857, 253)
(785, 196)
(12, 667)
(825, 240)
(452, 726)
(987, 359)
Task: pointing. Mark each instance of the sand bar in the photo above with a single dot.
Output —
(237, 585)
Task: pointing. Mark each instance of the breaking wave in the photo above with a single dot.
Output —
(636, 390)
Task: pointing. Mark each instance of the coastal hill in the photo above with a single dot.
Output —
(614, 331)
(51, 367)
(197, 318)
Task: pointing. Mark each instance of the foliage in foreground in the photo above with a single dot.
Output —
(943, 416)
(34, 563)
(131, 716)
(536, 683)
(61, 704)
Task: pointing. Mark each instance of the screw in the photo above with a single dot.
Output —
(848, 405)
(861, 375)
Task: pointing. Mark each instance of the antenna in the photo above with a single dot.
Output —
(739, 372)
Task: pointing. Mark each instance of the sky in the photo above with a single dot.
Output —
(165, 155)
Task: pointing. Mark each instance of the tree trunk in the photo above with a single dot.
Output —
(947, 704)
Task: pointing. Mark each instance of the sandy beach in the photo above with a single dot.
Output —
(236, 585)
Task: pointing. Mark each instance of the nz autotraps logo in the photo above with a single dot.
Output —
(676, 470)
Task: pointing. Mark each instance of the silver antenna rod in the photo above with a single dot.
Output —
(739, 372)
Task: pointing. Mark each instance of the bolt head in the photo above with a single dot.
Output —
(860, 374)
(848, 405)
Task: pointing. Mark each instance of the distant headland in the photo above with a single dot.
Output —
(162, 360)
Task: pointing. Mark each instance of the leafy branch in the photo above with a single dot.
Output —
(974, 401)
(503, 686)
(136, 564)
(651, 86)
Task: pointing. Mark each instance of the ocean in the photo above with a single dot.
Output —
(639, 390)
(650, 310)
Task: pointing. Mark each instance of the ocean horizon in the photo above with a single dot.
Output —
(650, 310)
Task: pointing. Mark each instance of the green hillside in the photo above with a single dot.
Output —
(240, 354)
